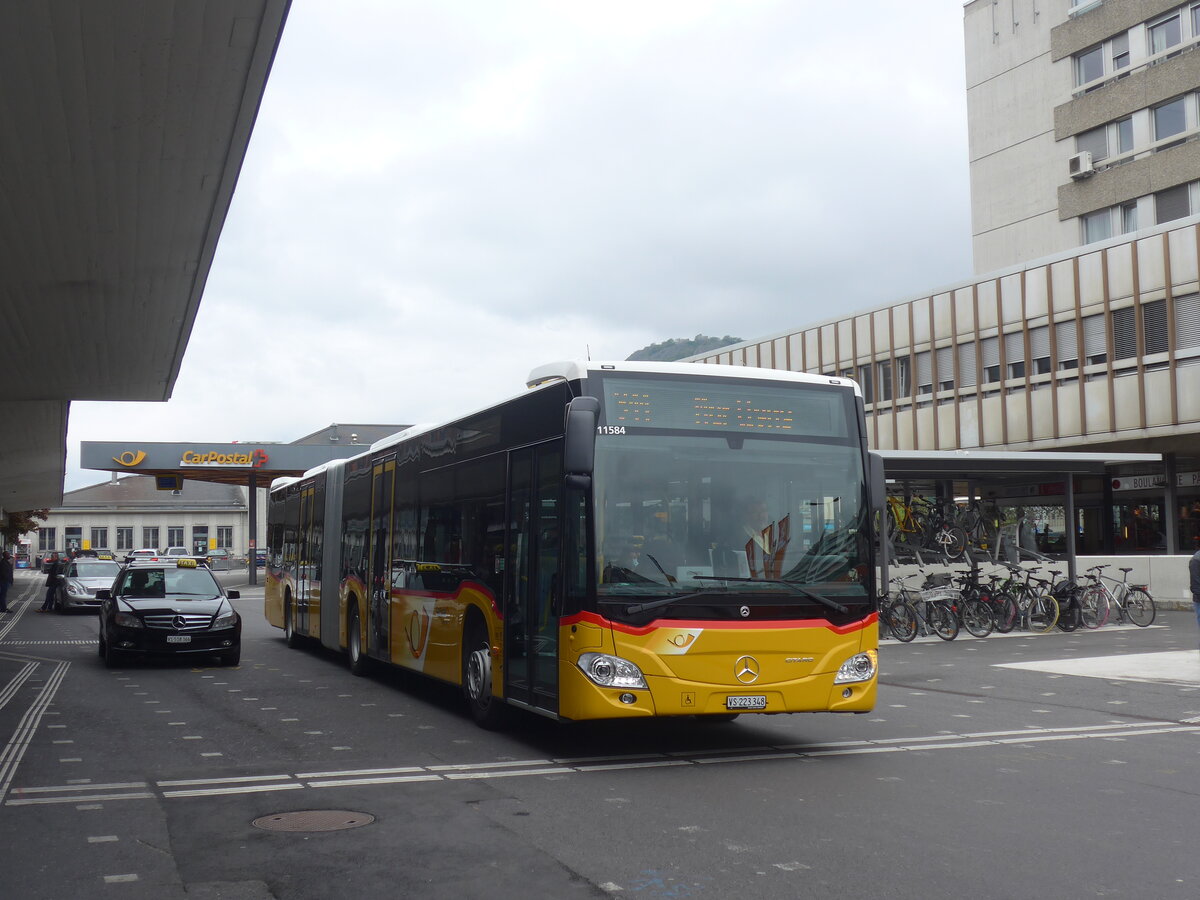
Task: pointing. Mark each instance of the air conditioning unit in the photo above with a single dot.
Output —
(1080, 165)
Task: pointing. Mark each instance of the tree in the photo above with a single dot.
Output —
(20, 523)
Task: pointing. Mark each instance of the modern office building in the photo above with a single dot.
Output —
(1081, 116)
(1077, 335)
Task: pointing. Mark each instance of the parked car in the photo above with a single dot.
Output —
(80, 581)
(175, 552)
(168, 609)
(59, 556)
(219, 559)
(146, 554)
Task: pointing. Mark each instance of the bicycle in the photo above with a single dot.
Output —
(897, 617)
(1133, 601)
(974, 613)
(932, 607)
(943, 534)
(1039, 610)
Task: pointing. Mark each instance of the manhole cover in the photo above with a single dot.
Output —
(313, 820)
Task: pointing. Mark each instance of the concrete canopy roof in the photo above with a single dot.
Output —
(999, 466)
(125, 126)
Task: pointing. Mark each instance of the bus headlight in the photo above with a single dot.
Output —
(859, 667)
(612, 671)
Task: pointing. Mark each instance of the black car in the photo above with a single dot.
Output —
(166, 609)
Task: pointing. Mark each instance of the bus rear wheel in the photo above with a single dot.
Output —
(354, 651)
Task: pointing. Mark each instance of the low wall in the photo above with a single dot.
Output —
(1166, 577)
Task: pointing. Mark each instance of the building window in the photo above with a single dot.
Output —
(1187, 321)
(1154, 324)
(1094, 142)
(225, 536)
(150, 537)
(903, 377)
(124, 537)
(1097, 226)
(46, 538)
(1196, 21)
(99, 538)
(1124, 129)
(1171, 204)
(864, 382)
(1016, 369)
(1129, 217)
(924, 372)
(175, 536)
(1170, 119)
(1165, 34)
(1120, 51)
(1124, 334)
(1089, 65)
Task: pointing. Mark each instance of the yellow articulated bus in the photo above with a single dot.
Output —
(622, 540)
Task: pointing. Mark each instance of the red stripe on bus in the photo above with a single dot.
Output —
(770, 625)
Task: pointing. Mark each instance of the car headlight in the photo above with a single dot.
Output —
(75, 589)
(225, 620)
(611, 671)
(859, 667)
(128, 620)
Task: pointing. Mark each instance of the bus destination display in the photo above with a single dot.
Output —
(794, 409)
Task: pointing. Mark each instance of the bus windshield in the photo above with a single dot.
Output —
(718, 522)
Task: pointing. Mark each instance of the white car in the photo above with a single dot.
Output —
(173, 552)
(82, 578)
(143, 555)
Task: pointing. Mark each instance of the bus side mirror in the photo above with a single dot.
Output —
(877, 486)
(579, 440)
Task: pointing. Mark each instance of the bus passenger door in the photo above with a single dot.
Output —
(380, 596)
(530, 615)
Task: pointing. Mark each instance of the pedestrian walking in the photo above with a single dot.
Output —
(52, 581)
(6, 579)
(1194, 572)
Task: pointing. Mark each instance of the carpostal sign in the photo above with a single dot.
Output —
(256, 459)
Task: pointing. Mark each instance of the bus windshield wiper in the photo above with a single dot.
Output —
(665, 601)
(803, 592)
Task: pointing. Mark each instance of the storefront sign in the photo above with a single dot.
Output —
(192, 459)
(1154, 482)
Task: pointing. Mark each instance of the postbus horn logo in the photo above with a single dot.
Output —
(129, 458)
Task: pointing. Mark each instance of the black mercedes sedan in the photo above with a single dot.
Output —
(168, 608)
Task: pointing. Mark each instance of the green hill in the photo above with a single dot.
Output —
(681, 348)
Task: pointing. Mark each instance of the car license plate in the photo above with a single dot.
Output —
(179, 638)
(752, 701)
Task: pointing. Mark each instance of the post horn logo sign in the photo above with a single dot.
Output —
(130, 458)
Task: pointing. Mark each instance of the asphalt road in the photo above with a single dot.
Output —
(1053, 766)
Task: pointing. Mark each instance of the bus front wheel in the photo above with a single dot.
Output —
(487, 709)
(290, 637)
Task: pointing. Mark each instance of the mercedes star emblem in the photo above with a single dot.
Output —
(746, 670)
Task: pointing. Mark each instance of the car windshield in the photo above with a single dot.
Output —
(97, 569)
(187, 583)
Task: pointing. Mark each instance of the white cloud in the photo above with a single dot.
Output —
(441, 195)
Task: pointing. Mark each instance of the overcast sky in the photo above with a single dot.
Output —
(440, 195)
